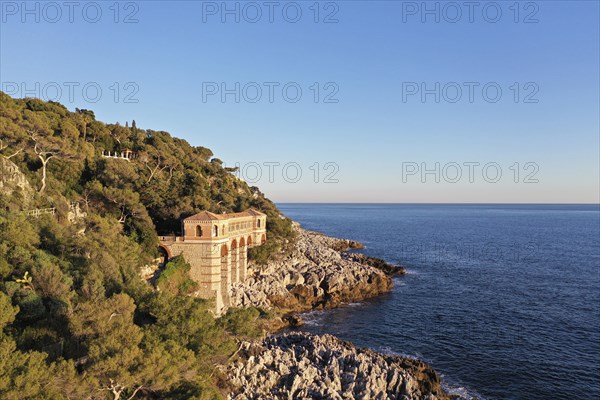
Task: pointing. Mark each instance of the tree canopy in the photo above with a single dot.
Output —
(76, 319)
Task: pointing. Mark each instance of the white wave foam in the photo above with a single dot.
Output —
(460, 391)
(354, 304)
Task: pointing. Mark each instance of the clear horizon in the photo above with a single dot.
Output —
(423, 203)
(344, 102)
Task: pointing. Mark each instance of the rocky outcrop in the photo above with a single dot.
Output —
(317, 274)
(12, 180)
(305, 366)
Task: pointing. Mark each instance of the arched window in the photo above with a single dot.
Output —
(198, 231)
(216, 231)
(258, 223)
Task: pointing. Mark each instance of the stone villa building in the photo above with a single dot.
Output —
(216, 247)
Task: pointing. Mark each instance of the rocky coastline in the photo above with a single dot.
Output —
(320, 273)
(305, 366)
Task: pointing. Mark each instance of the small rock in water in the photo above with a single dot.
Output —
(294, 320)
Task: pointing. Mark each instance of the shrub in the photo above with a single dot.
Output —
(175, 278)
(243, 322)
(263, 253)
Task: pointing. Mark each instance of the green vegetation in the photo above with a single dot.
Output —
(261, 254)
(76, 320)
(175, 278)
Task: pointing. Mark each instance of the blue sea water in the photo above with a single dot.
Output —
(502, 300)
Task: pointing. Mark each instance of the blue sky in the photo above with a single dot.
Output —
(370, 133)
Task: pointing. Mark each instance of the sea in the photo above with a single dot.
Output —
(502, 300)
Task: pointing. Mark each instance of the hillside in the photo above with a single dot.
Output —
(76, 320)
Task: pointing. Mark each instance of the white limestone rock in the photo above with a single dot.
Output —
(315, 275)
(305, 366)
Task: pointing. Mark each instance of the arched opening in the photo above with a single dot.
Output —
(263, 238)
(243, 256)
(258, 223)
(164, 255)
(224, 274)
(198, 231)
(249, 241)
(234, 261)
(215, 231)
